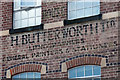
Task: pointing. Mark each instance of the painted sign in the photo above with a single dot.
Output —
(52, 39)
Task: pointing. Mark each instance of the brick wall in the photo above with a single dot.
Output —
(0, 14)
(52, 47)
(119, 45)
(51, 12)
(54, 11)
(107, 7)
(0, 65)
(6, 18)
(58, 45)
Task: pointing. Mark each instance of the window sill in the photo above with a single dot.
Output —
(26, 29)
(79, 20)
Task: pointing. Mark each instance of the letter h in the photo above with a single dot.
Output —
(12, 40)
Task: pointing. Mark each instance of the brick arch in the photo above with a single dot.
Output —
(83, 61)
(26, 68)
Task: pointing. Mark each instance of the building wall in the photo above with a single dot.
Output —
(6, 9)
(107, 7)
(93, 42)
(54, 11)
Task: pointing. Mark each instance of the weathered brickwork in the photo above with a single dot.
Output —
(25, 68)
(107, 7)
(54, 11)
(87, 43)
(51, 12)
(6, 16)
(119, 47)
(0, 66)
(83, 61)
(55, 46)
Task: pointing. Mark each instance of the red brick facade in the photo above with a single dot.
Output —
(25, 68)
(107, 7)
(6, 16)
(54, 12)
(84, 61)
(85, 43)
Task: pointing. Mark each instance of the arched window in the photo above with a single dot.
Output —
(27, 75)
(91, 72)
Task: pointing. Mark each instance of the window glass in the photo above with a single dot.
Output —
(80, 71)
(38, 20)
(28, 16)
(72, 73)
(16, 76)
(17, 23)
(23, 75)
(24, 23)
(80, 13)
(31, 21)
(24, 14)
(30, 75)
(79, 5)
(17, 16)
(88, 12)
(16, 4)
(28, 3)
(38, 12)
(72, 14)
(72, 5)
(37, 75)
(27, 75)
(87, 72)
(96, 10)
(96, 3)
(38, 3)
(32, 13)
(87, 4)
(96, 70)
(83, 8)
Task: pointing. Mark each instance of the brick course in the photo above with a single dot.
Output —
(107, 7)
(54, 11)
(68, 52)
(84, 61)
(6, 16)
(73, 44)
(25, 68)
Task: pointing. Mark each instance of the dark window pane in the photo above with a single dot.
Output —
(16, 76)
(30, 75)
(37, 75)
(72, 73)
(80, 71)
(96, 70)
(23, 75)
(88, 70)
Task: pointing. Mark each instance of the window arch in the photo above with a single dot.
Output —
(26, 75)
(92, 72)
